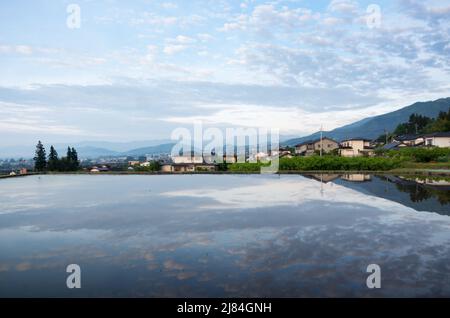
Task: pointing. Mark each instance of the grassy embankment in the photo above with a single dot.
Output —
(404, 160)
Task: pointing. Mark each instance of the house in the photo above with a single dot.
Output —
(23, 171)
(166, 167)
(103, 168)
(409, 140)
(308, 148)
(286, 155)
(356, 147)
(439, 139)
(324, 178)
(188, 167)
(185, 159)
(134, 163)
(230, 159)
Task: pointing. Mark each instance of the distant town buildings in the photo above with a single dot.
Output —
(439, 139)
(311, 147)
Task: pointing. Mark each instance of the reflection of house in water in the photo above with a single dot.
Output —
(356, 177)
(433, 182)
(421, 195)
(188, 167)
(325, 178)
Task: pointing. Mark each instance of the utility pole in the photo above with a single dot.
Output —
(385, 132)
(321, 140)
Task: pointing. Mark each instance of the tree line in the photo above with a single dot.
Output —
(53, 163)
(418, 124)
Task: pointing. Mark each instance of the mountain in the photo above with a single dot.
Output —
(118, 147)
(164, 148)
(373, 127)
(90, 152)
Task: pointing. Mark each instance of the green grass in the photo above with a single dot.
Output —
(419, 154)
(329, 163)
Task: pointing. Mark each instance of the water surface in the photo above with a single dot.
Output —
(224, 236)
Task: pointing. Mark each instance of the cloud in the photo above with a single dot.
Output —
(178, 44)
(343, 6)
(174, 48)
(169, 63)
(19, 49)
(266, 17)
(169, 5)
(420, 10)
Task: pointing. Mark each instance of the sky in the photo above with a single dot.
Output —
(137, 70)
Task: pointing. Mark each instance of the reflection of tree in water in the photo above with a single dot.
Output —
(419, 192)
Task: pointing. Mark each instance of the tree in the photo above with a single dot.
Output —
(441, 124)
(69, 154)
(75, 163)
(415, 125)
(40, 162)
(53, 160)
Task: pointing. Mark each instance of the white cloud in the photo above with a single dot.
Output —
(267, 17)
(174, 48)
(169, 5)
(290, 120)
(24, 49)
(343, 6)
(20, 49)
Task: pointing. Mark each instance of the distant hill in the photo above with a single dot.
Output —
(118, 147)
(373, 127)
(164, 148)
(90, 152)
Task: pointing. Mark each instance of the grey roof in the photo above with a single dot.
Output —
(407, 137)
(439, 134)
(356, 138)
(309, 142)
(391, 145)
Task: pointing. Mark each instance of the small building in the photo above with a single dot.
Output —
(409, 140)
(23, 171)
(12, 173)
(230, 159)
(188, 167)
(324, 178)
(134, 163)
(439, 139)
(356, 147)
(186, 159)
(356, 177)
(166, 168)
(308, 148)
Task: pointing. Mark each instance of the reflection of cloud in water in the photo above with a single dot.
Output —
(253, 236)
(287, 190)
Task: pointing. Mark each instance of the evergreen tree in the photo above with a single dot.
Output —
(67, 161)
(40, 162)
(53, 161)
(75, 163)
(415, 125)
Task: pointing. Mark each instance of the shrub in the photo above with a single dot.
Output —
(339, 163)
(420, 154)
